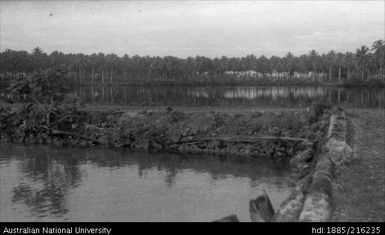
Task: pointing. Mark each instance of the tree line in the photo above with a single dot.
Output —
(365, 64)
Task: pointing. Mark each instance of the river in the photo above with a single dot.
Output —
(41, 183)
(266, 96)
(227, 96)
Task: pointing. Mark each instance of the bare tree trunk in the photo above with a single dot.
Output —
(362, 74)
(111, 76)
(102, 77)
(112, 95)
(92, 76)
(362, 97)
(103, 94)
(77, 74)
(330, 73)
(92, 94)
(125, 94)
(339, 73)
(348, 74)
(319, 77)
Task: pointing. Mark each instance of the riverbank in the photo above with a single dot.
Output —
(253, 133)
(359, 190)
(135, 109)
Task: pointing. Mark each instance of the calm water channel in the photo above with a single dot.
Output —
(41, 183)
(266, 96)
(270, 96)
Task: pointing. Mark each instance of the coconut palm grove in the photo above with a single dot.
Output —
(365, 66)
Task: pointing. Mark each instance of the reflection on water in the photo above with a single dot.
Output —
(41, 183)
(216, 96)
(270, 96)
(274, 92)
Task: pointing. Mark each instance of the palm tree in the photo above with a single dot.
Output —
(362, 59)
(340, 61)
(38, 57)
(331, 60)
(349, 63)
(112, 61)
(289, 64)
(378, 48)
(314, 60)
(94, 59)
(37, 51)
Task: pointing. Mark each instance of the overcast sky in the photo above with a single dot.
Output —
(190, 28)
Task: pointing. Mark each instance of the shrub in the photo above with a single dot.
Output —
(317, 109)
(45, 86)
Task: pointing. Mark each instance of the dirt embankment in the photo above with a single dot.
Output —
(252, 133)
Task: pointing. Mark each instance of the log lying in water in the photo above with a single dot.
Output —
(58, 132)
(261, 209)
(225, 140)
(250, 139)
(230, 218)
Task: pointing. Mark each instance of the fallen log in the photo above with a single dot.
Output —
(254, 138)
(58, 132)
(89, 126)
(261, 209)
(243, 139)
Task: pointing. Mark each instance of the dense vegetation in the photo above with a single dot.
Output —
(365, 66)
(52, 117)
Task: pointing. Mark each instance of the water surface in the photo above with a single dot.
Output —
(41, 183)
(228, 96)
(266, 96)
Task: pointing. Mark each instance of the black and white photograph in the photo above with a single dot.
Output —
(192, 111)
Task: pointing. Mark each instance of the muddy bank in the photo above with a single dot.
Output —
(275, 134)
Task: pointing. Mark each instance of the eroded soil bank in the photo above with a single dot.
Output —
(359, 189)
(253, 133)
